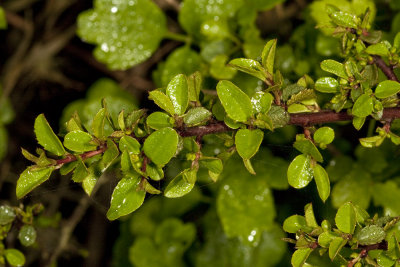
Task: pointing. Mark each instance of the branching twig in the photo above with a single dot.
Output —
(388, 71)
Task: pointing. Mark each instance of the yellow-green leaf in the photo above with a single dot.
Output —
(79, 141)
(248, 142)
(182, 184)
(299, 172)
(163, 101)
(177, 91)
(322, 180)
(46, 137)
(345, 218)
(387, 88)
(31, 178)
(161, 146)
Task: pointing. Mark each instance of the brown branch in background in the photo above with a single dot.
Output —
(387, 70)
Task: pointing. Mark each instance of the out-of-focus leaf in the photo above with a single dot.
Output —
(14, 257)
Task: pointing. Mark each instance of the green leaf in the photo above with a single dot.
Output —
(27, 235)
(121, 120)
(31, 178)
(358, 122)
(261, 102)
(300, 256)
(195, 81)
(363, 106)
(309, 215)
(161, 146)
(80, 172)
(120, 42)
(3, 142)
(322, 180)
(334, 67)
(249, 66)
(158, 120)
(79, 141)
(154, 172)
(379, 49)
(90, 181)
(324, 135)
(177, 91)
(248, 142)
(236, 103)
(299, 172)
(325, 239)
(345, 218)
(372, 141)
(215, 29)
(219, 70)
(129, 144)
(98, 123)
(163, 101)
(214, 166)
(182, 184)
(249, 166)
(7, 214)
(344, 19)
(3, 20)
(335, 246)
(297, 108)
(396, 42)
(278, 116)
(387, 88)
(307, 147)
(109, 155)
(46, 137)
(268, 55)
(327, 85)
(370, 234)
(14, 257)
(127, 197)
(196, 116)
(294, 223)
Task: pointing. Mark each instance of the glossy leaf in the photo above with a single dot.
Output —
(177, 91)
(299, 172)
(236, 103)
(322, 180)
(268, 55)
(154, 172)
(31, 178)
(195, 81)
(345, 218)
(27, 235)
(307, 147)
(300, 256)
(379, 49)
(309, 215)
(14, 257)
(161, 145)
(182, 184)
(129, 144)
(344, 19)
(358, 122)
(335, 246)
(126, 198)
(370, 234)
(196, 116)
(261, 102)
(324, 135)
(46, 137)
(387, 88)
(334, 67)
(163, 101)
(248, 142)
(249, 66)
(278, 116)
(79, 141)
(294, 223)
(327, 85)
(122, 43)
(7, 214)
(158, 120)
(363, 106)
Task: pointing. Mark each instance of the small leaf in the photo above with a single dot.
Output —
(79, 141)
(324, 135)
(14, 257)
(387, 88)
(98, 123)
(80, 172)
(215, 29)
(268, 55)
(335, 246)
(372, 141)
(163, 101)
(236, 103)
(29, 156)
(7, 214)
(297, 108)
(344, 19)
(31, 178)
(307, 147)
(370, 234)
(334, 67)
(161, 146)
(212, 164)
(261, 102)
(358, 122)
(219, 70)
(363, 106)
(129, 144)
(322, 180)
(126, 198)
(109, 155)
(300, 256)
(278, 116)
(294, 223)
(345, 218)
(248, 142)
(177, 91)
(299, 172)
(309, 215)
(154, 172)
(196, 116)
(46, 137)
(379, 49)
(27, 235)
(158, 120)
(121, 120)
(327, 85)
(182, 184)
(90, 181)
(150, 189)
(249, 66)
(3, 20)
(249, 166)
(194, 85)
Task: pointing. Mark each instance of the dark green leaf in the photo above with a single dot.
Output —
(387, 88)
(127, 197)
(46, 137)
(27, 235)
(278, 116)
(345, 218)
(370, 234)
(327, 85)
(249, 66)
(31, 178)
(334, 67)
(248, 142)
(161, 146)
(182, 184)
(3, 142)
(299, 172)
(294, 223)
(322, 180)
(14, 257)
(79, 141)
(196, 116)
(177, 91)
(163, 101)
(158, 120)
(363, 106)
(236, 103)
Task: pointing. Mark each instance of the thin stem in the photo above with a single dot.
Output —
(177, 37)
(387, 70)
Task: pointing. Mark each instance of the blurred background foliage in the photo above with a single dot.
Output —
(47, 66)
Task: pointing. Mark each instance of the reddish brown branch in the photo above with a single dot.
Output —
(70, 158)
(387, 70)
